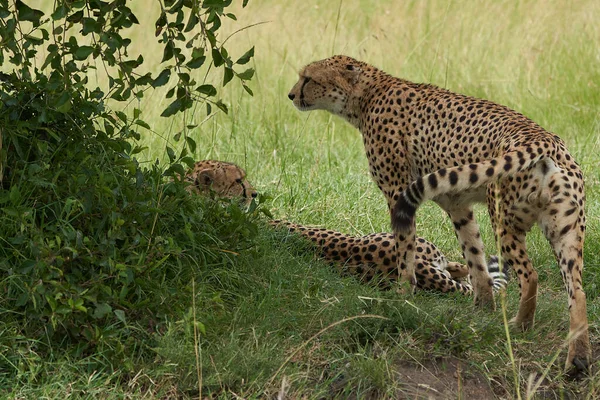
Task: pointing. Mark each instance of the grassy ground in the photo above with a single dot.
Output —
(539, 57)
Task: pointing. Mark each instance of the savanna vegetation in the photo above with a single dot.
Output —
(116, 283)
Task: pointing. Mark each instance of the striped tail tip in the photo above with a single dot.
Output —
(499, 276)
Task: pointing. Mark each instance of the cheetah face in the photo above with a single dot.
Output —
(226, 180)
(326, 85)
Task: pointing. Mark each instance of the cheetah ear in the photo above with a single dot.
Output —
(352, 73)
(204, 178)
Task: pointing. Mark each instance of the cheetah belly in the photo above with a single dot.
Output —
(459, 200)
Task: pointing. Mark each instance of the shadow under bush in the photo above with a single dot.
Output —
(96, 251)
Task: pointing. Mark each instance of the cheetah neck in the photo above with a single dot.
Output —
(363, 96)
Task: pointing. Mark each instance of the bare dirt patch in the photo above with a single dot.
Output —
(442, 378)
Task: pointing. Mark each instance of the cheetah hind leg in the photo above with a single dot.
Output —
(568, 250)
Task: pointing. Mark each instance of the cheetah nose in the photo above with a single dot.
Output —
(291, 96)
(254, 194)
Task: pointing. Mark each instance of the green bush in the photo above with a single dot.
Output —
(97, 252)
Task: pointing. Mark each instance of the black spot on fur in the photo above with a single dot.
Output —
(453, 178)
(433, 182)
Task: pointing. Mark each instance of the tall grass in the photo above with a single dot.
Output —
(539, 57)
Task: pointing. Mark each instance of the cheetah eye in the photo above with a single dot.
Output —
(238, 180)
(350, 67)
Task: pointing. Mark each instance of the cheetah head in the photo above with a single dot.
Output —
(225, 179)
(327, 84)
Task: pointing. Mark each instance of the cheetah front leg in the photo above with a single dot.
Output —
(405, 253)
(467, 232)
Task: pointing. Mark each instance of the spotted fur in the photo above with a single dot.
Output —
(373, 258)
(369, 258)
(427, 143)
(220, 177)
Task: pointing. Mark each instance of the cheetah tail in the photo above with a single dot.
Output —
(500, 276)
(459, 179)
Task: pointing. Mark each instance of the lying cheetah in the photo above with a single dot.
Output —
(369, 258)
(220, 177)
(457, 150)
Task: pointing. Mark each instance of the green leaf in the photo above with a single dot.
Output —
(208, 90)
(90, 25)
(83, 52)
(246, 57)
(26, 13)
(176, 7)
(51, 302)
(189, 161)
(144, 80)
(122, 116)
(168, 52)
(162, 78)
(172, 108)
(161, 22)
(184, 77)
(227, 75)
(143, 124)
(247, 74)
(192, 21)
(60, 12)
(222, 106)
(196, 62)
(171, 154)
(201, 327)
(22, 299)
(33, 39)
(248, 90)
(103, 309)
(121, 316)
(191, 144)
(218, 4)
(217, 57)
(76, 17)
(15, 195)
(63, 104)
(27, 266)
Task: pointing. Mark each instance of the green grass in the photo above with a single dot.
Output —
(539, 57)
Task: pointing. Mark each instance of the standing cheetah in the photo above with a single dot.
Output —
(424, 142)
(369, 258)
